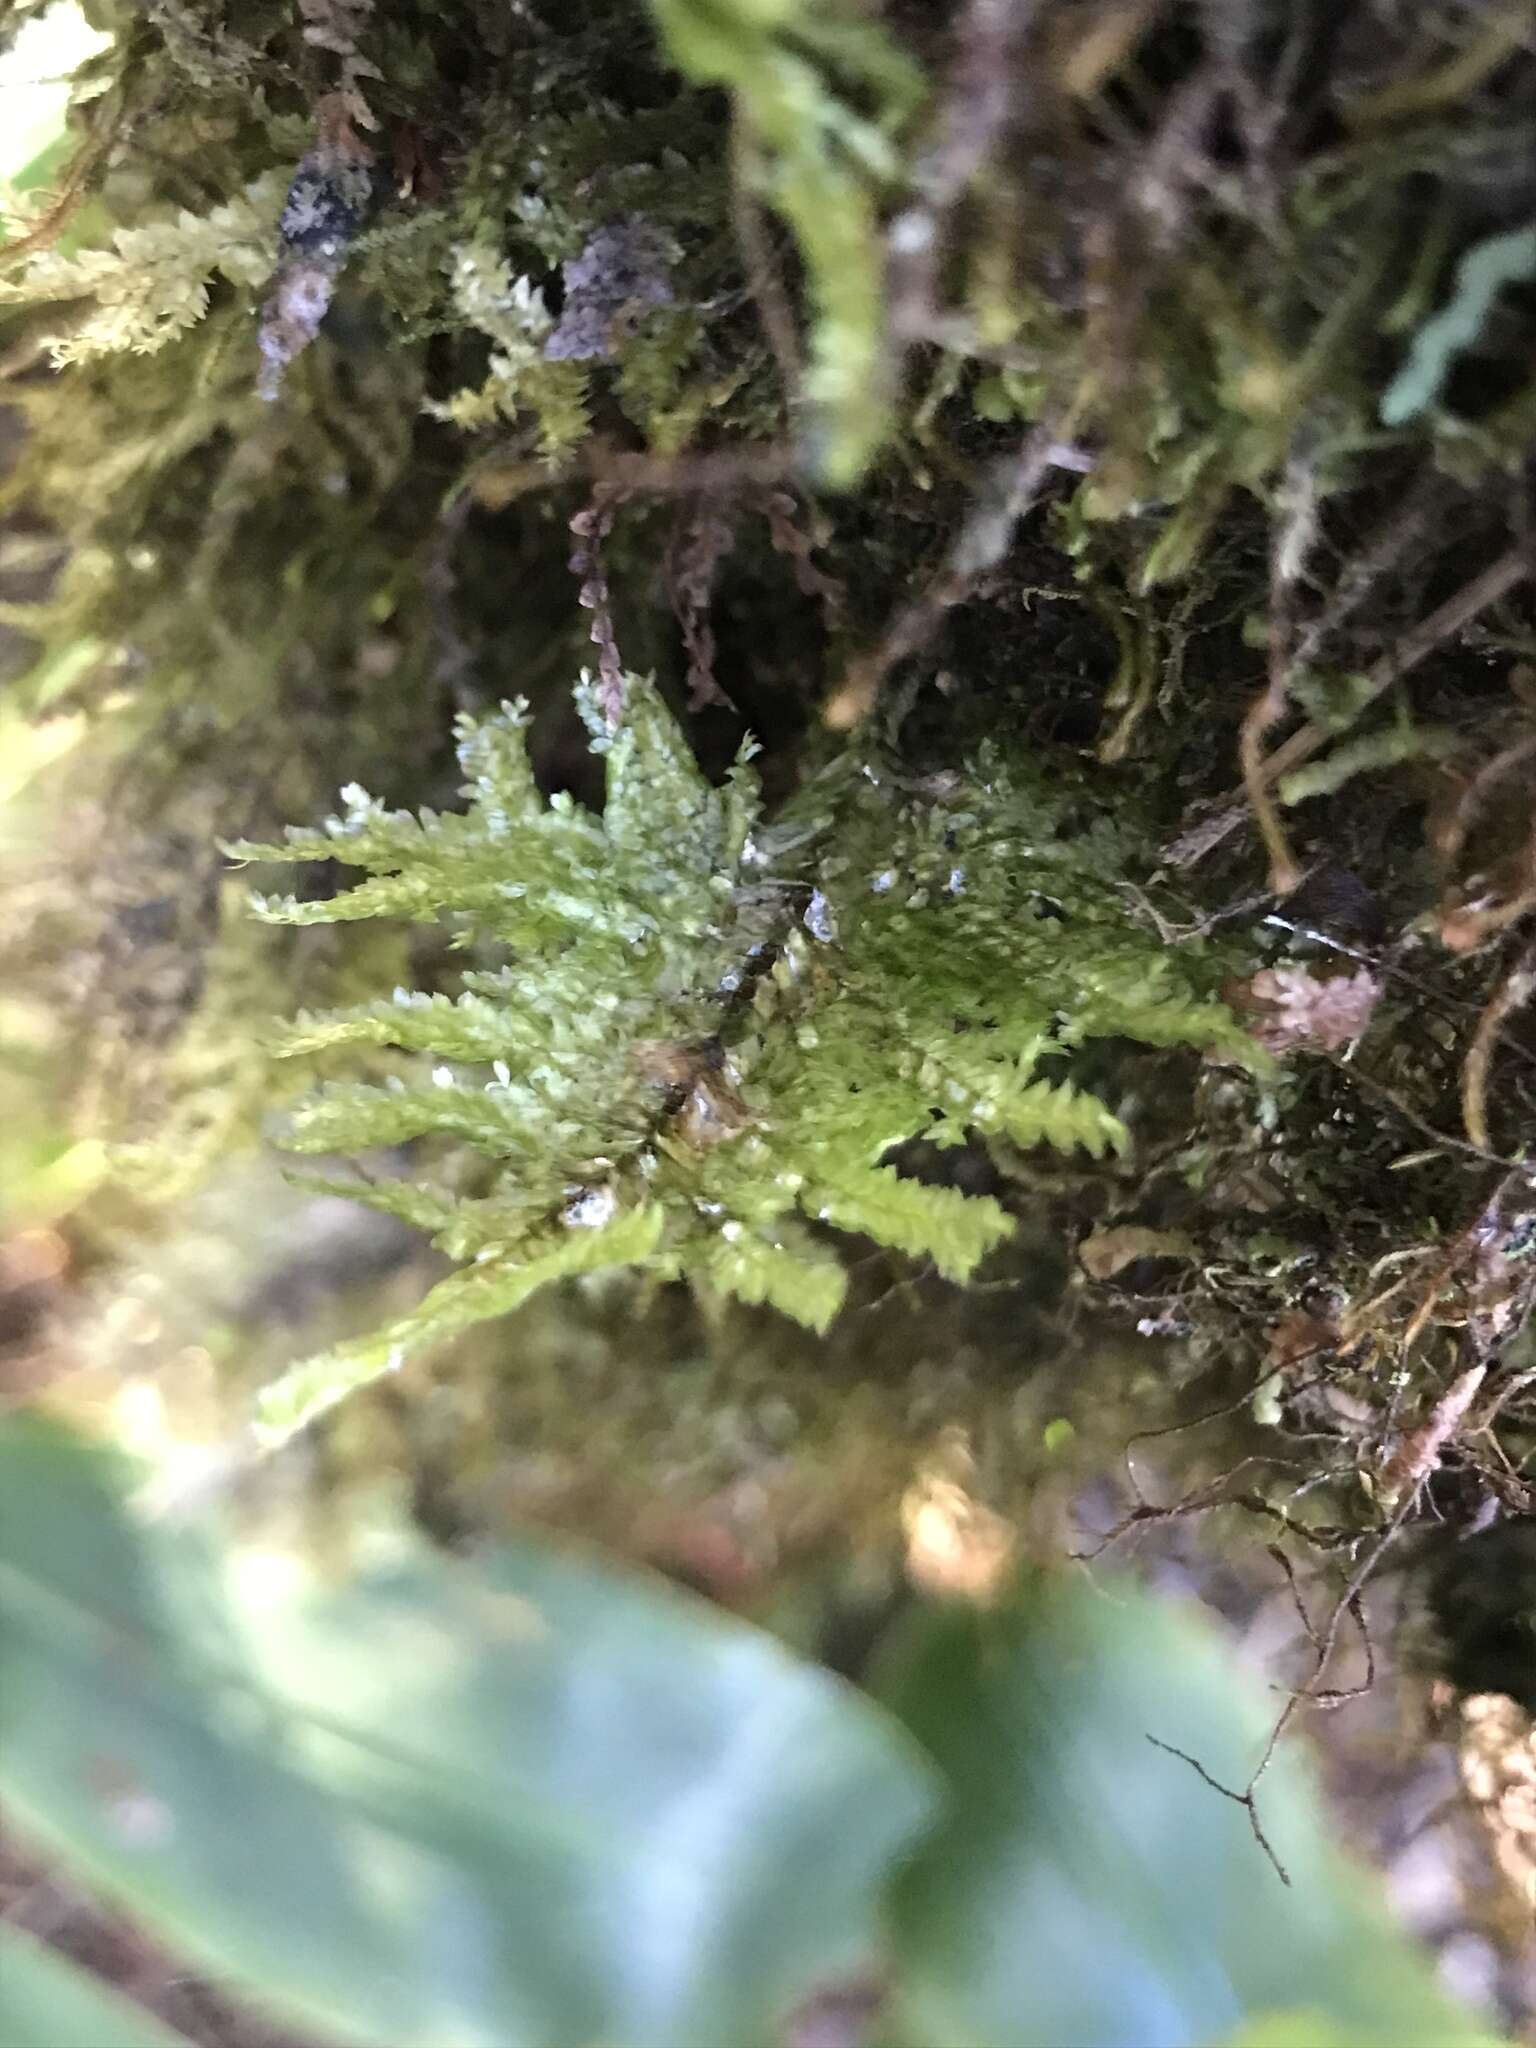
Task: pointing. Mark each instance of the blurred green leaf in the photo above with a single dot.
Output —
(137, 1745)
(1086, 1889)
(47, 2001)
(525, 1799)
(1305, 2027)
(802, 76)
(1294, 2028)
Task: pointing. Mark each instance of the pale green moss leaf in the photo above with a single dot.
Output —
(150, 283)
(473, 1296)
(800, 74)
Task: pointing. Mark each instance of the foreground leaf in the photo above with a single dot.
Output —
(524, 1800)
(1086, 1889)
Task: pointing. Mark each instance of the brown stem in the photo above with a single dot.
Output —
(1497, 581)
(1516, 988)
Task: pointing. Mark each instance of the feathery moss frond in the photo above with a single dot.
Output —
(689, 1036)
(151, 284)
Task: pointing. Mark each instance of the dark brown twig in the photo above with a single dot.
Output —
(791, 536)
(1245, 1800)
(1496, 582)
(1451, 835)
(1411, 524)
(1010, 489)
(1280, 1558)
(1347, 1603)
(763, 274)
(591, 526)
(702, 538)
(51, 224)
(1514, 990)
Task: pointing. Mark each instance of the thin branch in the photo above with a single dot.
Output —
(1359, 1077)
(1412, 523)
(1347, 1603)
(1205, 1500)
(49, 226)
(1293, 542)
(1245, 1800)
(1280, 1558)
(1496, 582)
(1515, 990)
(1010, 489)
(763, 274)
(1452, 833)
(1466, 926)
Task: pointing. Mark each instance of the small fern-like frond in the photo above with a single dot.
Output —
(955, 1231)
(150, 284)
(455, 1304)
(704, 1035)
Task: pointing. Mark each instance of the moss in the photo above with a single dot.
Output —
(709, 1032)
(1057, 414)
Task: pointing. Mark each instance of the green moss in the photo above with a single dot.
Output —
(711, 1032)
(1261, 302)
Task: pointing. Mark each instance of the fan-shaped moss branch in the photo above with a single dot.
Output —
(691, 1038)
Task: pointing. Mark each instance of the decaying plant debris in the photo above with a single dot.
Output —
(1126, 400)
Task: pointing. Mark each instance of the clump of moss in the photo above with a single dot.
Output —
(710, 1033)
(1132, 407)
